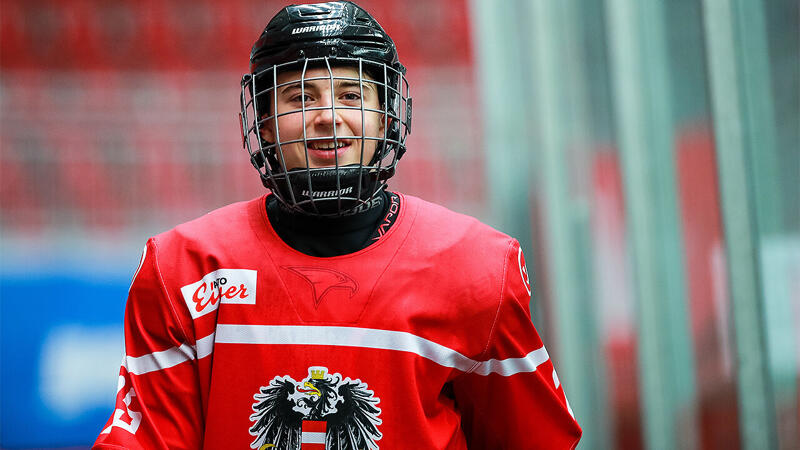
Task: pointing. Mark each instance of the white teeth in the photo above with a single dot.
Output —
(326, 145)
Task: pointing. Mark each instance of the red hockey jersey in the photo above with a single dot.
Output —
(421, 340)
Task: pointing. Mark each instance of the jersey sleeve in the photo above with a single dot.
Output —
(158, 403)
(513, 399)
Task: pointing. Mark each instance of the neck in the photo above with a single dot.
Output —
(327, 236)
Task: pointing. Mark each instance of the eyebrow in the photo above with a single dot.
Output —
(338, 84)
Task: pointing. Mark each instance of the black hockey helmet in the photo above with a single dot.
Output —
(325, 35)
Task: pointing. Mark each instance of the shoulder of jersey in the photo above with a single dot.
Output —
(223, 224)
(467, 257)
(447, 226)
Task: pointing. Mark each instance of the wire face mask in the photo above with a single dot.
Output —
(326, 133)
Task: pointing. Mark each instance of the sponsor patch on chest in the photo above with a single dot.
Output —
(237, 286)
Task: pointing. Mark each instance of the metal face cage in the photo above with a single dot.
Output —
(334, 188)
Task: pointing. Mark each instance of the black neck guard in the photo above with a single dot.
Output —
(331, 236)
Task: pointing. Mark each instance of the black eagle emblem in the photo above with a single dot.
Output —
(346, 408)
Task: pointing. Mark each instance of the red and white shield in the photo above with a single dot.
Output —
(313, 437)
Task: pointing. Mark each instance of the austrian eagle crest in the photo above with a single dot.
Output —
(322, 408)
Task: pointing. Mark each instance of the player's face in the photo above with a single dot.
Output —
(320, 123)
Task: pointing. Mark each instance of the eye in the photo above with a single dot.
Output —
(351, 96)
(298, 98)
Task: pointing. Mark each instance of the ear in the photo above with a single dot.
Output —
(267, 133)
(382, 127)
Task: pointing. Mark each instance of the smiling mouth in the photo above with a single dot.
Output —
(328, 150)
(328, 145)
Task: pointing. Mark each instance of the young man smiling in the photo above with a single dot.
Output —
(333, 313)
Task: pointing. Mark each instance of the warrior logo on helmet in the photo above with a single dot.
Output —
(328, 27)
(322, 408)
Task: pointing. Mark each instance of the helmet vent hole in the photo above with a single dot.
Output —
(317, 11)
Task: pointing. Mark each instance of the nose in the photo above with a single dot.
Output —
(327, 116)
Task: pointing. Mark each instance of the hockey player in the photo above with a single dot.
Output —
(332, 313)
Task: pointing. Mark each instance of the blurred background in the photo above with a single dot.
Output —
(645, 153)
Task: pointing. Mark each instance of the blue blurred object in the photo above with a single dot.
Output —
(60, 349)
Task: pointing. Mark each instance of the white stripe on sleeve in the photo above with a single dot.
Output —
(170, 357)
(160, 360)
(510, 366)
